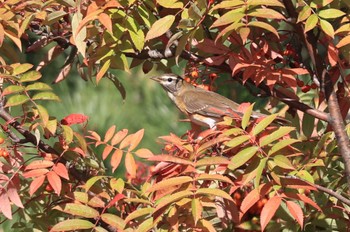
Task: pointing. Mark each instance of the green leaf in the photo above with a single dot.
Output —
(229, 17)
(283, 162)
(113, 220)
(304, 13)
(327, 27)
(169, 199)
(43, 114)
(281, 144)
(264, 2)
(266, 13)
(55, 16)
(310, 23)
(22, 68)
(46, 96)
(196, 209)
(139, 213)
(282, 131)
(219, 160)
(138, 39)
(237, 141)
(264, 26)
(91, 182)
(214, 177)
(12, 89)
(67, 134)
(78, 210)
(146, 225)
(16, 100)
(214, 192)
(170, 4)
(259, 171)
(30, 76)
(227, 4)
(169, 182)
(242, 157)
(38, 86)
(263, 124)
(72, 224)
(160, 27)
(246, 116)
(303, 174)
(330, 13)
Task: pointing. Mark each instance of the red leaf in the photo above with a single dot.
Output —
(116, 158)
(296, 212)
(13, 195)
(36, 164)
(74, 119)
(35, 173)
(303, 198)
(61, 170)
(116, 198)
(5, 205)
(269, 210)
(130, 165)
(55, 181)
(36, 183)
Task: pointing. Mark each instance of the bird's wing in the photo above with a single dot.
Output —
(210, 104)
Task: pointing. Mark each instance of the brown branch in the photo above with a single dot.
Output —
(332, 193)
(26, 134)
(335, 118)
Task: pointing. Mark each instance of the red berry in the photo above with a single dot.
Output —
(213, 76)
(2, 140)
(305, 88)
(300, 83)
(314, 86)
(194, 74)
(187, 79)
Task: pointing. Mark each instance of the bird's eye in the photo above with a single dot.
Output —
(170, 79)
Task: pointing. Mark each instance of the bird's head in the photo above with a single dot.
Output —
(170, 82)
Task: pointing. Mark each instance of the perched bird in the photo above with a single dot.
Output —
(202, 107)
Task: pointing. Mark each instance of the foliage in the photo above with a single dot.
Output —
(246, 175)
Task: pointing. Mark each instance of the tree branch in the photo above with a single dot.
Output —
(293, 103)
(335, 118)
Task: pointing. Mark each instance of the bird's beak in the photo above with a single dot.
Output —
(156, 78)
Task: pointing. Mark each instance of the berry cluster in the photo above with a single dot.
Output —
(306, 87)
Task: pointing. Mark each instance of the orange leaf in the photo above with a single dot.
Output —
(130, 164)
(35, 173)
(61, 170)
(253, 197)
(119, 136)
(116, 158)
(296, 212)
(136, 139)
(296, 184)
(36, 183)
(109, 134)
(144, 153)
(132, 140)
(55, 181)
(106, 151)
(344, 41)
(106, 21)
(169, 159)
(303, 198)
(95, 136)
(269, 210)
(36, 164)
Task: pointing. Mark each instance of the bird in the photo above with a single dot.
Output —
(202, 107)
